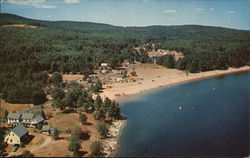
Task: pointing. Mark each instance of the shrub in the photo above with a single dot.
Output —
(133, 73)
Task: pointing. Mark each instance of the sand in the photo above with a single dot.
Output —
(152, 76)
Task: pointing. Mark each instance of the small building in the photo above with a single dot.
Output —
(18, 135)
(13, 118)
(104, 65)
(125, 63)
(37, 120)
(79, 80)
(119, 77)
(47, 129)
(105, 68)
(104, 71)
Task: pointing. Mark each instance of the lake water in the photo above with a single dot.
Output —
(213, 122)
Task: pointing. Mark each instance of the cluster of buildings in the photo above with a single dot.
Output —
(19, 134)
(119, 77)
(105, 68)
(162, 52)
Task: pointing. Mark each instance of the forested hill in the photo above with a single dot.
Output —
(28, 54)
(8, 19)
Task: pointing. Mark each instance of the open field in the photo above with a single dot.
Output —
(45, 146)
(71, 77)
(21, 25)
(67, 121)
(14, 107)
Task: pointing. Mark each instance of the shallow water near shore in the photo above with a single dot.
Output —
(213, 120)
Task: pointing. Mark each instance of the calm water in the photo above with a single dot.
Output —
(214, 121)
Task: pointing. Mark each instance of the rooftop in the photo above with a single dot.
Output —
(27, 116)
(14, 116)
(46, 127)
(38, 119)
(20, 130)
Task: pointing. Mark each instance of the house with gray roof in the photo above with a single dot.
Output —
(47, 129)
(13, 118)
(37, 120)
(18, 135)
(27, 119)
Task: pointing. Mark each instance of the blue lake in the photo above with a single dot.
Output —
(213, 122)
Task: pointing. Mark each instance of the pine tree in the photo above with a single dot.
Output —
(82, 118)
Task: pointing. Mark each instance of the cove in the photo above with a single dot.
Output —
(213, 121)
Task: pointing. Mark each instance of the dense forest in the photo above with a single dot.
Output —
(28, 55)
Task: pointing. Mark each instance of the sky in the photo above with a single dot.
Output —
(223, 13)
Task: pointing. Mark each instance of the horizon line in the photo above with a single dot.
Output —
(164, 25)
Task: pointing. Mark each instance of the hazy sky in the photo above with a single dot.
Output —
(225, 13)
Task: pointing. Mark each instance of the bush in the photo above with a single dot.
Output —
(133, 73)
(102, 128)
(39, 126)
(56, 134)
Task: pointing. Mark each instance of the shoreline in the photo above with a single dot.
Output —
(111, 143)
(126, 89)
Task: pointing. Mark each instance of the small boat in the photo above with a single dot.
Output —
(180, 108)
(213, 88)
(147, 115)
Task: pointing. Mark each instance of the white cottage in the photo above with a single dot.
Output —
(18, 135)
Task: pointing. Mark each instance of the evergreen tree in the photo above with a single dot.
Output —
(74, 145)
(102, 128)
(6, 113)
(43, 114)
(82, 118)
(57, 93)
(98, 103)
(56, 78)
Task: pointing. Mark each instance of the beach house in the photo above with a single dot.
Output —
(18, 135)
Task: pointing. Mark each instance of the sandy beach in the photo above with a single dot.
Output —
(151, 76)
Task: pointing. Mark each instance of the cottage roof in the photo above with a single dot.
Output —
(20, 130)
(27, 116)
(46, 128)
(13, 115)
(38, 119)
(104, 64)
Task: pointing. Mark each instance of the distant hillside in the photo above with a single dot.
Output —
(79, 47)
(7, 19)
(167, 32)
